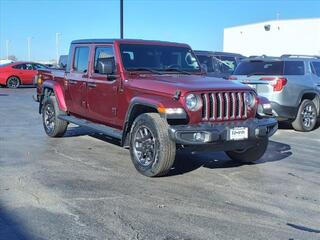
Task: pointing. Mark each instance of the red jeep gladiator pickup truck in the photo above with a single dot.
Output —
(153, 96)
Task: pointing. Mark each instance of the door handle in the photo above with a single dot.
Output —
(91, 85)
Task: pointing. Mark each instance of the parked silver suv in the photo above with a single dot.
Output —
(290, 82)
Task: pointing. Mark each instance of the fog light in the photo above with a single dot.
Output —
(199, 136)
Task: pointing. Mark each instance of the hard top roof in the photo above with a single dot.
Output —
(113, 40)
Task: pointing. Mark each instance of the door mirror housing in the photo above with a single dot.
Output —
(63, 66)
(106, 66)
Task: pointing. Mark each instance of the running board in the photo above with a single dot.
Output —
(112, 132)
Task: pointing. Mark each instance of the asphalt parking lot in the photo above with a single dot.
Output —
(84, 186)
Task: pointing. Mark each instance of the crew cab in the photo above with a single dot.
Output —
(154, 97)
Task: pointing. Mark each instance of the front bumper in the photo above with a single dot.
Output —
(218, 133)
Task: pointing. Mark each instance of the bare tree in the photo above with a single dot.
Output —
(12, 57)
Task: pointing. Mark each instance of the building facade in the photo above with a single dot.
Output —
(274, 38)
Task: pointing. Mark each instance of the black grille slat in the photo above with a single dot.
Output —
(204, 107)
(211, 108)
(218, 106)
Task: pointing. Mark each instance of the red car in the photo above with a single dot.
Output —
(13, 75)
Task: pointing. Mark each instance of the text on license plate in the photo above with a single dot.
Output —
(238, 133)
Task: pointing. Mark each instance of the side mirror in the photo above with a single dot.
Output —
(106, 66)
(63, 66)
(204, 68)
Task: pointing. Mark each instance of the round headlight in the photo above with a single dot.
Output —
(250, 99)
(193, 102)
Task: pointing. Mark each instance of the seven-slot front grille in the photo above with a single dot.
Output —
(223, 106)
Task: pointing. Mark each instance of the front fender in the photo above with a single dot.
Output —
(155, 102)
(151, 103)
(58, 92)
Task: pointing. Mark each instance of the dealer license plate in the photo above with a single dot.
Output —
(238, 133)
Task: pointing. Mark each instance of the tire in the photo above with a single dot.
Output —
(251, 154)
(53, 126)
(151, 149)
(306, 119)
(13, 82)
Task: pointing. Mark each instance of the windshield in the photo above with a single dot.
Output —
(137, 57)
(259, 68)
(214, 64)
(229, 61)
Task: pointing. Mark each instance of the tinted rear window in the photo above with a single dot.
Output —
(259, 68)
(293, 68)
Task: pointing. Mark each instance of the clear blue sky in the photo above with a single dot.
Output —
(199, 23)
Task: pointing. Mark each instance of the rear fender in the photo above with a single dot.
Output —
(58, 92)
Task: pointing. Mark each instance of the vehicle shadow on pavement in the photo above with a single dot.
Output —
(11, 227)
(187, 161)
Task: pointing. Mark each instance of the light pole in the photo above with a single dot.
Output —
(29, 48)
(57, 46)
(121, 19)
(7, 49)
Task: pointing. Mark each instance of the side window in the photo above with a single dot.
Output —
(20, 66)
(293, 68)
(39, 66)
(81, 59)
(102, 54)
(315, 66)
(29, 66)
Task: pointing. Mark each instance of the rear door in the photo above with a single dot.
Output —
(76, 80)
(102, 92)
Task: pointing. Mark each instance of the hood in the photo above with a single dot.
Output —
(170, 83)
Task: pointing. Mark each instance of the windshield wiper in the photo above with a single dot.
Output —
(144, 69)
(176, 70)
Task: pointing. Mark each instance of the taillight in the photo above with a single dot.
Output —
(277, 82)
(232, 78)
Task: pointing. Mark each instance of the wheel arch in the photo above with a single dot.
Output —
(50, 88)
(13, 76)
(136, 108)
(313, 96)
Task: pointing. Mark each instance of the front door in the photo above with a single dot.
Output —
(102, 91)
(76, 81)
